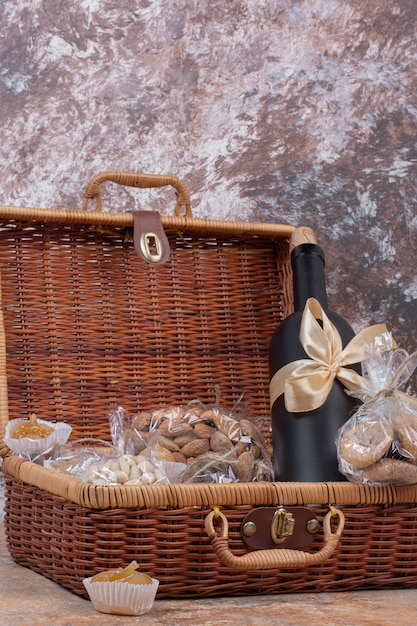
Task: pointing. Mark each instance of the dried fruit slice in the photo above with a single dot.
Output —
(127, 574)
(32, 429)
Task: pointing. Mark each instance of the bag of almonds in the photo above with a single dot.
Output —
(213, 443)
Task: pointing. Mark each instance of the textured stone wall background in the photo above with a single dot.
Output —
(299, 111)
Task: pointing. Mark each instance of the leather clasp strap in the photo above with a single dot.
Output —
(149, 238)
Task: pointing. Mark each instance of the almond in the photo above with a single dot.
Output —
(167, 443)
(220, 443)
(204, 430)
(163, 428)
(256, 451)
(249, 429)
(182, 440)
(207, 416)
(246, 467)
(227, 425)
(177, 457)
(241, 447)
(195, 448)
(193, 414)
(142, 420)
(180, 428)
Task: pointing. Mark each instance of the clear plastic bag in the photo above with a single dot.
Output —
(212, 444)
(76, 457)
(378, 445)
(179, 443)
(101, 463)
(127, 469)
(126, 436)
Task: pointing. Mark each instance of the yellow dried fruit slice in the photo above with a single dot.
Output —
(127, 574)
(138, 578)
(32, 429)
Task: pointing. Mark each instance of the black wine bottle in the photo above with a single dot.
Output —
(304, 445)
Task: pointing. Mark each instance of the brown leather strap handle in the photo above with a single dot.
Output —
(144, 181)
(272, 559)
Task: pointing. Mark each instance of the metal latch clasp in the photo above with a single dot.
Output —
(149, 238)
(151, 247)
(282, 525)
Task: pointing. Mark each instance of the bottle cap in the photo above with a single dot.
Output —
(302, 234)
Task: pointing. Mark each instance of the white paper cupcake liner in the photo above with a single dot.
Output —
(172, 470)
(32, 448)
(121, 598)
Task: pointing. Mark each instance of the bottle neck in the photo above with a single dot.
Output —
(309, 281)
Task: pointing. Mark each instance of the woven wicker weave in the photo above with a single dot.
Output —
(87, 325)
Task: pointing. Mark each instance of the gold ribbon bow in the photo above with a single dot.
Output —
(306, 383)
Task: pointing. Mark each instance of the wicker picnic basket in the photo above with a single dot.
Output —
(86, 325)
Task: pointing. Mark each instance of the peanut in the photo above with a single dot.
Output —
(121, 477)
(125, 470)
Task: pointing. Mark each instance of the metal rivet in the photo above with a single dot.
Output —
(313, 526)
(249, 529)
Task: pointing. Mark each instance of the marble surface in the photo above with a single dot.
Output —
(29, 598)
(299, 112)
(303, 112)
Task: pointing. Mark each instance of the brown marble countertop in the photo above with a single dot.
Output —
(29, 598)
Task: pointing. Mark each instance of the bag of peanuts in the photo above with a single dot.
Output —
(100, 463)
(128, 461)
(378, 445)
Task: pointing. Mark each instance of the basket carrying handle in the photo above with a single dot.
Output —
(272, 559)
(144, 181)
